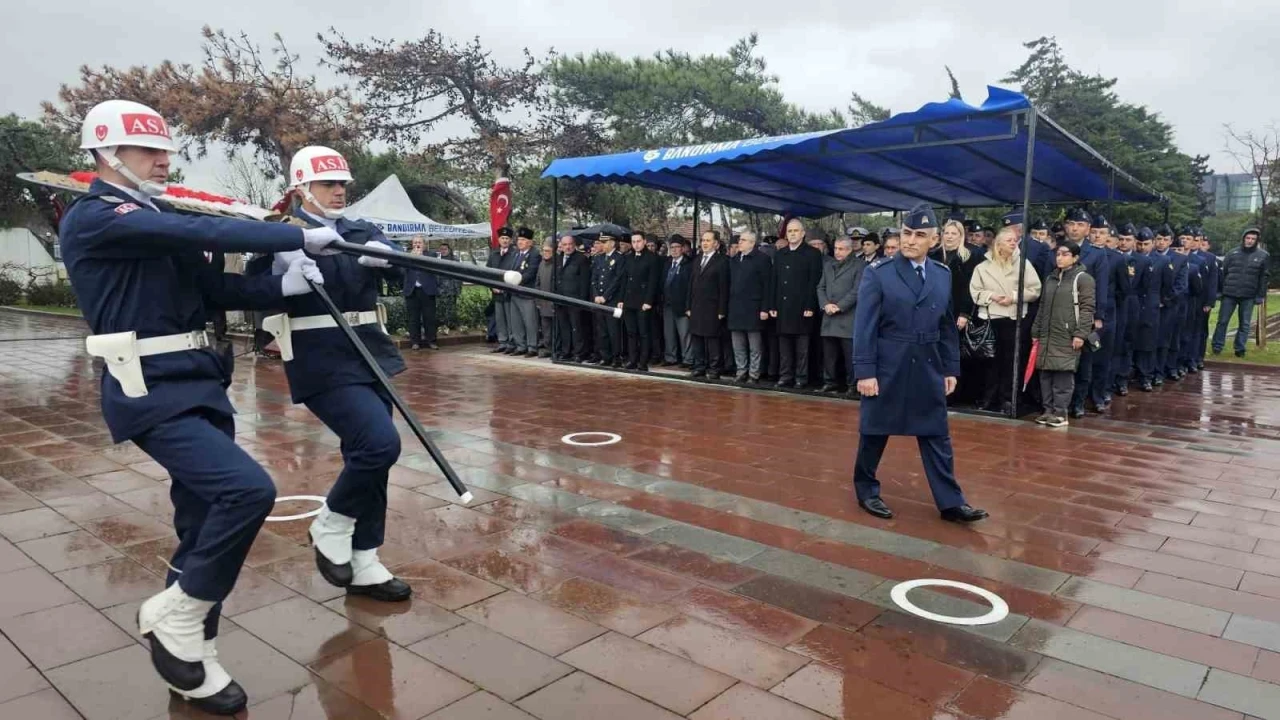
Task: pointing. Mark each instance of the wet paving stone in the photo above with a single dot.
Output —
(494, 662)
(667, 680)
(607, 606)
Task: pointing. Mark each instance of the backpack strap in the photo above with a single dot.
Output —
(1075, 297)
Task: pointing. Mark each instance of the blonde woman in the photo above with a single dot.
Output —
(994, 289)
(953, 253)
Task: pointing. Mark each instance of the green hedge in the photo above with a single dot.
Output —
(469, 311)
(58, 294)
(10, 290)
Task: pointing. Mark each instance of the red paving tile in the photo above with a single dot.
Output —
(1170, 520)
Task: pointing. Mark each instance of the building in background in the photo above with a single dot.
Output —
(1232, 192)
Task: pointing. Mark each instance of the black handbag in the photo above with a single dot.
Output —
(978, 340)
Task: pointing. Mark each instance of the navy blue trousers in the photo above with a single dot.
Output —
(939, 468)
(361, 417)
(1102, 379)
(1084, 378)
(220, 498)
(1145, 362)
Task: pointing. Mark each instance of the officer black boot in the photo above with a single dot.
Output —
(331, 534)
(218, 694)
(372, 579)
(172, 622)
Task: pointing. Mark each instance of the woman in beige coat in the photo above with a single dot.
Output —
(994, 289)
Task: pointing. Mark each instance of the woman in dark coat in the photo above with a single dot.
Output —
(953, 253)
(1061, 328)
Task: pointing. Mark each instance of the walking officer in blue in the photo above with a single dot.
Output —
(906, 358)
(142, 277)
(328, 375)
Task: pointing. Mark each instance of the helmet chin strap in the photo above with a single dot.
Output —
(330, 213)
(149, 188)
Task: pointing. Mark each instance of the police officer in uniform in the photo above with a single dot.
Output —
(1173, 307)
(328, 375)
(1131, 281)
(1157, 283)
(606, 289)
(1100, 380)
(1213, 286)
(906, 357)
(1197, 281)
(141, 274)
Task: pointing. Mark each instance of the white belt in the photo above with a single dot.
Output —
(282, 326)
(123, 353)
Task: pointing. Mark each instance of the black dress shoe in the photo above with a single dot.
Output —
(643, 368)
(741, 379)
(713, 376)
(963, 514)
(182, 674)
(393, 590)
(829, 387)
(1240, 353)
(784, 384)
(631, 366)
(1076, 412)
(875, 506)
(698, 374)
(334, 574)
(498, 349)
(227, 701)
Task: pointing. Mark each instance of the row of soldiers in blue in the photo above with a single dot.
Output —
(1154, 295)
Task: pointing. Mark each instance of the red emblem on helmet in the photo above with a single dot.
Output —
(144, 124)
(299, 173)
(326, 163)
(101, 132)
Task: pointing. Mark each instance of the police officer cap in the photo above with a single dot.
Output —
(1056, 228)
(857, 233)
(972, 226)
(921, 217)
(1187, 230)
(1099, 221)
(1144, 234)
(1127, 230)
(890, 232)
(1164, 231)
(1078, 215)
(1039, 225)
(1013, 217)
(1111, 230)
(525, 232)
(505, 231)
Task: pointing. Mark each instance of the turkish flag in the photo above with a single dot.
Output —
(1031, 364)
(499, 208)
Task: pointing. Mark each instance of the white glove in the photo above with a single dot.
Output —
(294, 281)
(282, 260)
(373, 262)
(317, 240)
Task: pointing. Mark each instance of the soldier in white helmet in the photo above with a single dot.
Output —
(328, 375)
(146, 286)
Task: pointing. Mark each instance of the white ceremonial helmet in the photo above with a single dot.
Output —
(115, 123)
(318, 163)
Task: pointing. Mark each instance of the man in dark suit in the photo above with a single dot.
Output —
(749, 274)
(641, 279)
(797, 269)
(606, 289)
(420, 291)
(675, 296)
(500, 259)
(906, 357)
(573, 278)
(708, 305)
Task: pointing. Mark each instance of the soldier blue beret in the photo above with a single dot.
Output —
(1099, 221)
(921, 217)
(1078, 215)
(1013, 217)
(1145, 233)
(1128, 229)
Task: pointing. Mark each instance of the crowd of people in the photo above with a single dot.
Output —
(1107, 308)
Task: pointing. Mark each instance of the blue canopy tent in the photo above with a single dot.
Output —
(1002, 153)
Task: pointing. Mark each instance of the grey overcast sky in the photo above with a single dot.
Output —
(1199, 64)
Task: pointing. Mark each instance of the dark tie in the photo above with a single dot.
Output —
(920, 273)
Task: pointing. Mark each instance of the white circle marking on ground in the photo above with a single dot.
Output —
(312, 513)
(999, 608)
(610, 438)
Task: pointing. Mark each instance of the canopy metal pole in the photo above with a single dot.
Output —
(696, 235)
(555, 266)
(1022, 261)
(1111, 196)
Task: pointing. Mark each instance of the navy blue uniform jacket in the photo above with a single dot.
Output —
(133, 268)
(324, 359)
(905, 337)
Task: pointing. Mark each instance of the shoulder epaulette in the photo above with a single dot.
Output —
(882, 261)
(941, 264)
